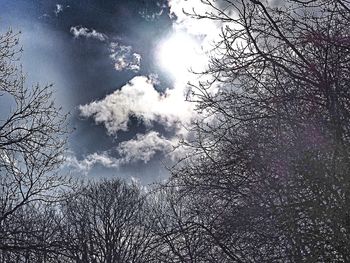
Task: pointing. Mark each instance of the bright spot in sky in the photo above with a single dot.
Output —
(179, 54)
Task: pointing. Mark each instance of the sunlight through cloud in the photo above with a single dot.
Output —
(179, 54)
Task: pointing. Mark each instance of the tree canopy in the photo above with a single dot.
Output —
(266, 176)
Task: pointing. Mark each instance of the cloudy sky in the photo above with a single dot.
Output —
(120, 67)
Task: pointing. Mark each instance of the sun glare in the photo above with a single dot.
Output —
(178, 54)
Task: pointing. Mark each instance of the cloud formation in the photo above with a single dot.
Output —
(85, 165)
(144, 147)
(124, 58)
(139, 98)
(151, 12)
(200, 27)
(58, 9)
(80, 31)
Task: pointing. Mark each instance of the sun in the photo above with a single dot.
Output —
(179, 54)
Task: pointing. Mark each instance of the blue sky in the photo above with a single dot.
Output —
(120, 68)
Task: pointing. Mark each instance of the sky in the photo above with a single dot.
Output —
(121, 68)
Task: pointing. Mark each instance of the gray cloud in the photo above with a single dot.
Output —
(151, 16)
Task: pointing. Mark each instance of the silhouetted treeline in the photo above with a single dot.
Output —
(267, 172)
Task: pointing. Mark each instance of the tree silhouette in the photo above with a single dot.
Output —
(107, 222)
(270, 157)
(32, 143)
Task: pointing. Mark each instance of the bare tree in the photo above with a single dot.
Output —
(175, 227)
(272, 149)
(32, 143)
(33, 235)
(106, 222)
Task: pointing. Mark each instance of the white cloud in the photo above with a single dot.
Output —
(58, 9)
(206, 32)
(151, 16)
(144, 147)
(124, 58)
(80, 31)
(139, 98)
(91, 160)
(189, 46)
(200, 27)
(44, 16)
(151, 13)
